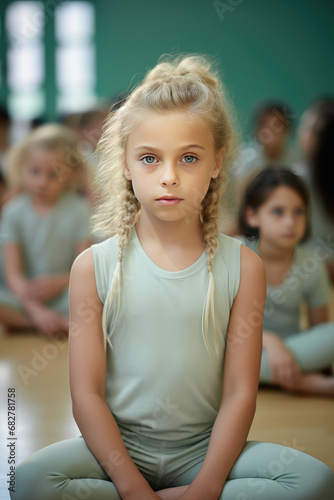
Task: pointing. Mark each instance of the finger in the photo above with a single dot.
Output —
(286, 376)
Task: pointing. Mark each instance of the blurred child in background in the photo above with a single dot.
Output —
(272, 126)
(4, 137)
(316, 133)
(274, 219)
(43, 229)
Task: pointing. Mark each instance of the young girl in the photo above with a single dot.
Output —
(274, 218)
(315, 133)
(43, 230)
(163, 382)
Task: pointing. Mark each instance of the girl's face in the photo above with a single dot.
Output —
(44, 175)
(170, 159)
(273, 133)
(281, 219)
(305, 131)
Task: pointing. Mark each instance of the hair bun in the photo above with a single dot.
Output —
(191, 67)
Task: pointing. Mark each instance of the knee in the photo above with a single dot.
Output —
(31, 481)
(316, 479)
(323, 482)
(26, 482)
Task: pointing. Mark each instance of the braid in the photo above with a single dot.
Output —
(131, 207)
(209, 219)
(126, 220)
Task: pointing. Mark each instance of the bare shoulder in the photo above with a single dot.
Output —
(83, 272)
(250, 260)
(252, 268)
(84, 262)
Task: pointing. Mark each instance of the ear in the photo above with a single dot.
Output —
(127, 172)
(251, 217)
(219, 158)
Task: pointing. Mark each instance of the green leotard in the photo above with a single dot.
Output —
(164, 390)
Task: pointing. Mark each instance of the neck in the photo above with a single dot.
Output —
(273, 153)
(270, 252)
(41, 205)
(164, 233)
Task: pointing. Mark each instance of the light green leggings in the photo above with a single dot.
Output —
(67, 470)
(312, 349)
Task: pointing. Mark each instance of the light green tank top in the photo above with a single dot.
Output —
(161, 380)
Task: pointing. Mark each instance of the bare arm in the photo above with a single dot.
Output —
(283, 365)
(46, 321)
(48, 286)
(14, 275)
(318, 315)
(87, 360)
(241, 376)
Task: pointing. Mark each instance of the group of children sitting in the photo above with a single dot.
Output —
(285, 214)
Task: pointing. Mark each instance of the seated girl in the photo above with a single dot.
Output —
(44, 228)
(274, 217)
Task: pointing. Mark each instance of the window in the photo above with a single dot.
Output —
(75, 56)
(25, 59)
(70, 87)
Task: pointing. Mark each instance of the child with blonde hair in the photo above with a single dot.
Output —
(43, 229)
(163, 383)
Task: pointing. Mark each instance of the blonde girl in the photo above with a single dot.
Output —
(44, 228)
(163, 382)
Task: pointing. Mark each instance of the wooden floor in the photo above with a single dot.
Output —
(37, 368)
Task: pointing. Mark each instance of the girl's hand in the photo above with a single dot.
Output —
(46, 287)
(48, 322)
(172, 493)
(284, 368)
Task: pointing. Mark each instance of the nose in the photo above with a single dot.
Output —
(42, 182)
(169, 176)
(289, 219)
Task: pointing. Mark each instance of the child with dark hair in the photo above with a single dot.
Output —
(316, 132)
(269, 147)
(4, 138)
(274, 217)
(272, 125)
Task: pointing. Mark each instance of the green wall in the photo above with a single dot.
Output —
(276, 48)
(273, 48)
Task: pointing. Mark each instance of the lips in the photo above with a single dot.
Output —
(169, 200)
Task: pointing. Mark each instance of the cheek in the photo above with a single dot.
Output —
(197, 191)
(140, 188)
(303, 224)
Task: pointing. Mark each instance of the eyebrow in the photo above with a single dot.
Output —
(182, 148)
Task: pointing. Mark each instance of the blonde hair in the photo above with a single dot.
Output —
(49, 137)
(189, 84)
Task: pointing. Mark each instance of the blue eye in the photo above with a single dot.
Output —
(149, 160)
(277, 211)
(189, 159)
(300, 211)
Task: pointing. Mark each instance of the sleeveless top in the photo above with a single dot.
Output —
(161, 379)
